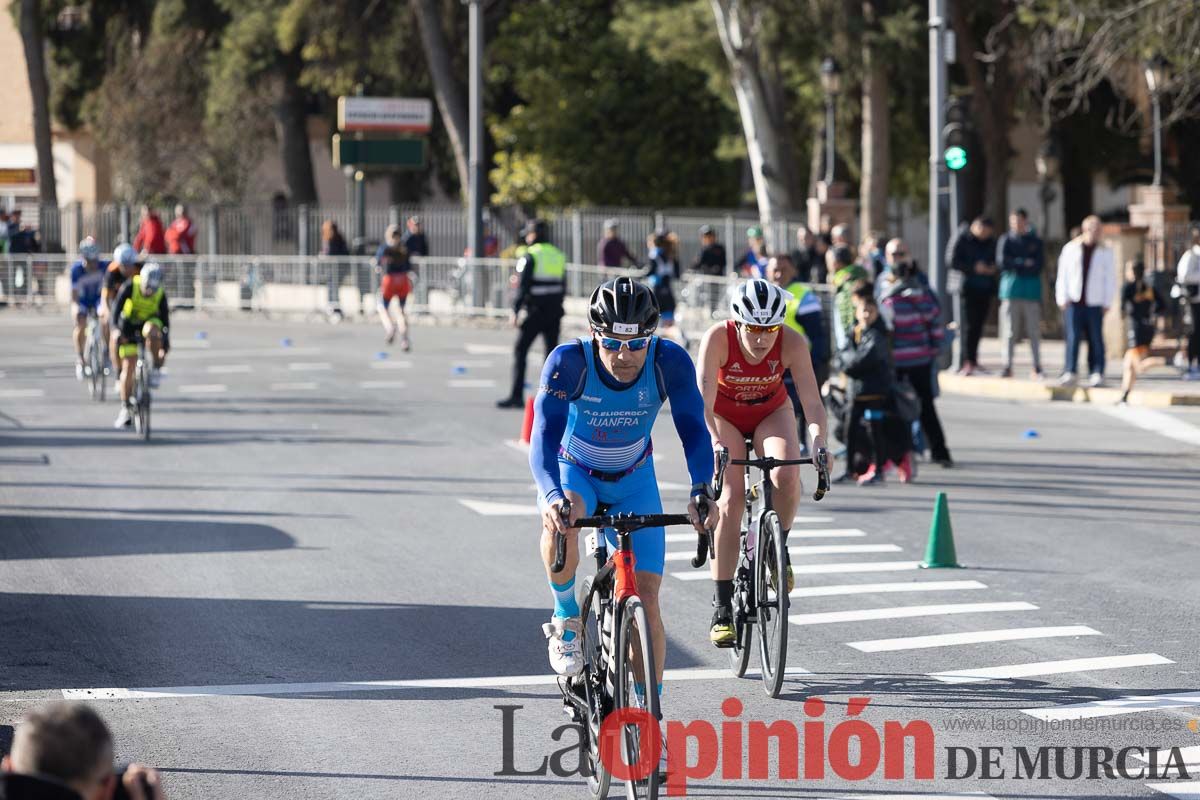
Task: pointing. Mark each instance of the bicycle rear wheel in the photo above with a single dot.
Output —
(772, 603)
(89, 358)
(592, 681)
(633, 636)
(143, 400)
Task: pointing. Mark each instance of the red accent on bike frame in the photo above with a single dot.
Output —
(623, 569)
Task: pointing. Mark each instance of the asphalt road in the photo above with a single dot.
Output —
(320, 579)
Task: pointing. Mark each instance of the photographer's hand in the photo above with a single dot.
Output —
(142, 783)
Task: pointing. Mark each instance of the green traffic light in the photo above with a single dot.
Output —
(955, 157)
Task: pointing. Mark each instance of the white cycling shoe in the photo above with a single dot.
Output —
(566, 658)
(124, 419)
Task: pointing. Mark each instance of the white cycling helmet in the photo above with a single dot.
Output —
(152, 278)
(89, 250)
(759, 302)
(125, 255)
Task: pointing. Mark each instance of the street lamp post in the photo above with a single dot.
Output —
(1047, 167)
(831, 83)
(1157, 70)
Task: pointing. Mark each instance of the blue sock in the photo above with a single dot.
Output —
(565, 604)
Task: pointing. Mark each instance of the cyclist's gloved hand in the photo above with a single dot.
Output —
(702, 510)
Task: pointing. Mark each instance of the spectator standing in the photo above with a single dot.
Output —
(1019, 255)
(181, 233)
(1141, 303)
(65, 752)
(753, 263)
(870, 255)
(662, 270)
(334, 244)
(611, 251)
(1084, 290)
(846, 278)
(839, 236)
(151, 236)
(415, 243)
(913, 314)
(1187, 275)
(541, 287)
(21, 238)
(712, 258)
(973, 254)
(806, 258)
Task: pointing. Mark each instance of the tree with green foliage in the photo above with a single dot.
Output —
(599, 122)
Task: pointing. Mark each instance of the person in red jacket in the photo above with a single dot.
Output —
(181, 233)
(150, 237)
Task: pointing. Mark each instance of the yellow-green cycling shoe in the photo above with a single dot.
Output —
(721, 632)
(791, 579)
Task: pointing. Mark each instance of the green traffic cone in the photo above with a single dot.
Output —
(940, 550)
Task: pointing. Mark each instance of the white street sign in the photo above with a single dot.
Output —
(385, 114)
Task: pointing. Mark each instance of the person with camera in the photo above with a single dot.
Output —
(64, 751)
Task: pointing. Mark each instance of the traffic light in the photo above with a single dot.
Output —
(955, 135)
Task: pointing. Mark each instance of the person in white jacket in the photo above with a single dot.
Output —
(1187, 275)
(1085, 288)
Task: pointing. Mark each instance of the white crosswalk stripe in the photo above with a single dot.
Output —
(874, 588)
(970, 637)
(470, 383)
(828, 549)
(1050, 668)
(1183, 790)
(902, 612)
(1129, 704)
(228, 369)
(310, 366)
(204, 388)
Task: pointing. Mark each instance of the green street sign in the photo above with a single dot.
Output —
(956, 157)
(379, 153)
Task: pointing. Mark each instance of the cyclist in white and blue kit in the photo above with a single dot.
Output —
(596, 405)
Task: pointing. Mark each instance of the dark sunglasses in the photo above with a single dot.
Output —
(634, 345)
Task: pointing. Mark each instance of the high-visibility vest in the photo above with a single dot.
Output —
(549, 268)
(138, 306)
(798, 291)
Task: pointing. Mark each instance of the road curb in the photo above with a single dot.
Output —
(1015, 389)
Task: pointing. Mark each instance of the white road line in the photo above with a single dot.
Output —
(826, 549)
(58, 373)
(487, 349)
(252, 689)
(246, 352)
(302, 386)
(1050, 668)
(310, 366)
(1129, 704)
(872, 588)
(970, 637)
(902, 612)
(814, 569)
(1183, 790)
(381, 384)
(470, 383)
(203, 388)
(1150, 420)
(855, 566)
(827, 533)
(228, 369)
(489, 509)
(15, 393)
(802, 519)
(391, 365)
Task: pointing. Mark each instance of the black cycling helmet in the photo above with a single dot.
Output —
(623, 306)
(537, 227)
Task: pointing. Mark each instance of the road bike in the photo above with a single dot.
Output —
(618, 654)
(760, 595)
(139, 400)
(95, 358)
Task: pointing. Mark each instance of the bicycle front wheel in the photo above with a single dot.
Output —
(772, 597)
(593, 682)
(634, 662)
(743, 626)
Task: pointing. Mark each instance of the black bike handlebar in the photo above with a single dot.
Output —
(632, 522)
(820, 460)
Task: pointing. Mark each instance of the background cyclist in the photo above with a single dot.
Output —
(141, 305)
(595, 408)
(123, 267)
(87, 278)
(742, 363)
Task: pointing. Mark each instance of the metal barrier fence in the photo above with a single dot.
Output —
(444, 288)
(296, 230)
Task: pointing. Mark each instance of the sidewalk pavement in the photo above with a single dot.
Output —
(1158, 387)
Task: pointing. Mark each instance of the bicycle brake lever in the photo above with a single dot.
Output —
(821, 461)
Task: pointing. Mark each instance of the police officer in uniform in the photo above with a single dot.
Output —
(542, 269)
